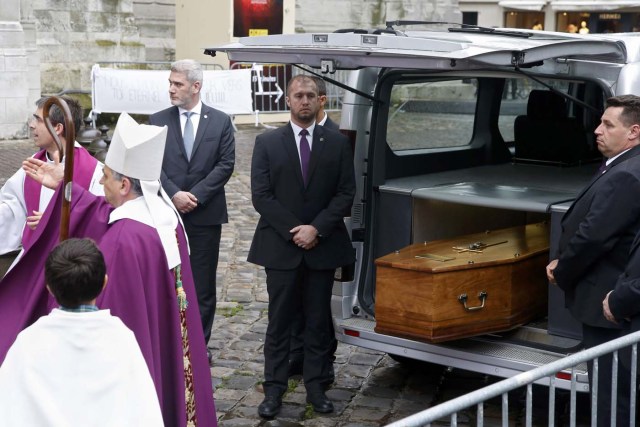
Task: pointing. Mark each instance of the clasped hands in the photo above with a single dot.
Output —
(184, 201)
(305, 236)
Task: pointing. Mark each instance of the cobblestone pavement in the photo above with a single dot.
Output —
(371, 389)
(12, 153)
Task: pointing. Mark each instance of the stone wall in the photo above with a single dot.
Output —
(330, 15)
(47, 46)
(19, 71)
(156, 22)
(14, 83)
(72, 35)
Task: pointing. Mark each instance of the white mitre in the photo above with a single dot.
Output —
(136, 151)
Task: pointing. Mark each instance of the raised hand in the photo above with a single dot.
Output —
(47, 174)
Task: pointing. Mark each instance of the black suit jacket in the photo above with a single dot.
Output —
(330, 124)
(280, 197)
(624, 301)
(597, 232)
(210, 167)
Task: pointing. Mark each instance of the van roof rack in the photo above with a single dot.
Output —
(460, 28)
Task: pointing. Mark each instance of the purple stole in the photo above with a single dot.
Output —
(84, 165)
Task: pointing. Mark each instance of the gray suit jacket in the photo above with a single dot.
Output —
(210, 167)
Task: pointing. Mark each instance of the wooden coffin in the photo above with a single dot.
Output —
(434, 293)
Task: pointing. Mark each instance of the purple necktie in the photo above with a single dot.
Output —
(305, 154)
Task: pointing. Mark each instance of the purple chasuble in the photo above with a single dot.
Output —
(84, 166)
(140, 291)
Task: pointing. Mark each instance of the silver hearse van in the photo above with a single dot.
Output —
(457, 130)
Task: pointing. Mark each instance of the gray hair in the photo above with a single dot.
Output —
(190, 68)
(136, 187)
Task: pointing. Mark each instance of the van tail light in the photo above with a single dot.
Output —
(352, 333)
(563, 376)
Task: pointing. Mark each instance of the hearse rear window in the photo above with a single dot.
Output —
(432, 114)
(515, 97)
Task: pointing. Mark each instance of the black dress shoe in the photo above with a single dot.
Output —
(270, 406)
(320, 402)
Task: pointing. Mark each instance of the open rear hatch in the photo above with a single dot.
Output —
(426, 49)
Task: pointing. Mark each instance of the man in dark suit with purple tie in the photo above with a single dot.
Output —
(296, 357)
(302, 183)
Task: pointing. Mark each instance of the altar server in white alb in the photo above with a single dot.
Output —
(79, 365)
(22, 199)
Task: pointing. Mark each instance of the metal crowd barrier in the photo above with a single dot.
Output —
(451, 408)
(270, 86)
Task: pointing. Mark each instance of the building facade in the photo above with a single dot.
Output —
(573, 16)
(49, 46)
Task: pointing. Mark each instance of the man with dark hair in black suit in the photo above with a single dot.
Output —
(296, 357)
(322, 118)
(597, 232)
(302, 183)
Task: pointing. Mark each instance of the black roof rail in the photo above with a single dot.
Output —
(352, 30)
(462, 28)
(384, 31)
(373, 31)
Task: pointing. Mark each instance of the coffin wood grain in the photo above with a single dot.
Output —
(418, 297)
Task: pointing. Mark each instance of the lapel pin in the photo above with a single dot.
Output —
(321, 139)
(205, 116)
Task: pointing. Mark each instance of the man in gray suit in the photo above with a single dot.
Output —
(198, 161)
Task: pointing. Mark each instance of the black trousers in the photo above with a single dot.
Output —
(204, 243)
(297, 339)
(291, 291)
(591, 337)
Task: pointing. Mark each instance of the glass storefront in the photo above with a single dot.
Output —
(597, 17)
(597, 22)
(521, 19)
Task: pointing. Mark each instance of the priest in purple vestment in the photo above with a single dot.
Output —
(23, 200)
(151, 288)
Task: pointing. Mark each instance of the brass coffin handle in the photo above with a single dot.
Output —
(482, 296)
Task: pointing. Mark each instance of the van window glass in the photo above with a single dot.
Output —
(431, 114)
(514, 101)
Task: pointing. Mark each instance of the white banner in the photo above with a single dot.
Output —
(147, 91)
